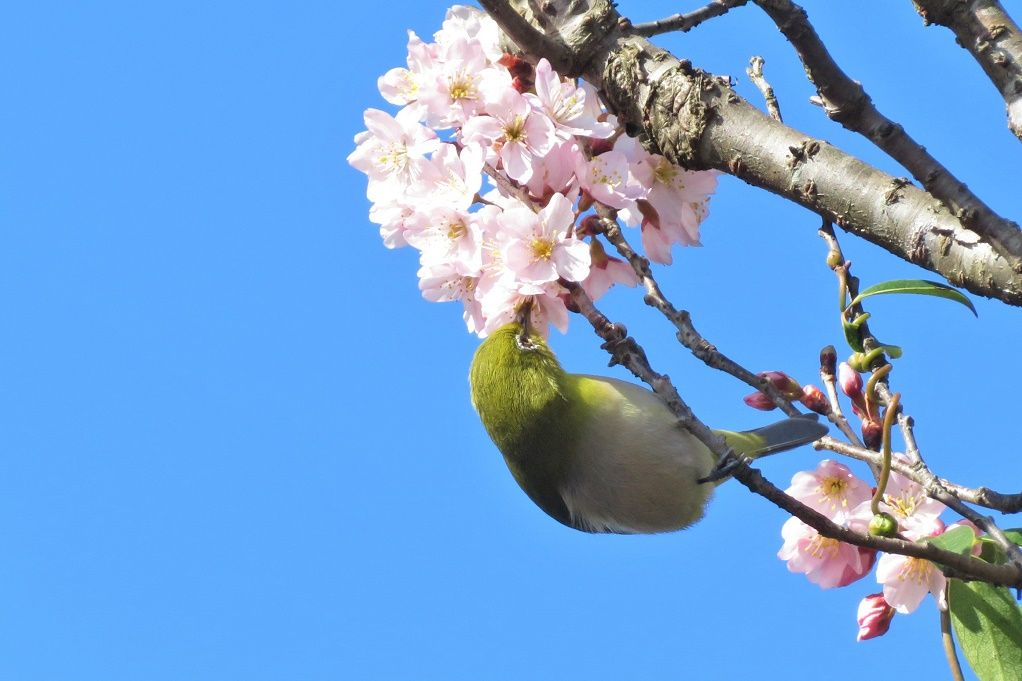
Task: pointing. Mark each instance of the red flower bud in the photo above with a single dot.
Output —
(784, 383)
(758, 400)
(874, 617)
(814, 399)
(849, 380)
(872, 433)
(828, 360)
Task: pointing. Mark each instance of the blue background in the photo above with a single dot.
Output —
(237, 444)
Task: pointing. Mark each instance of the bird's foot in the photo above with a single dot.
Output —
(725, 467)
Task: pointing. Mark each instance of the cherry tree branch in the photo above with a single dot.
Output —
(686, 332)
(686, 22)
(698, 121)
(846, 102)
(626, 351)
(981, 496)
(985, 29)
(755, 73)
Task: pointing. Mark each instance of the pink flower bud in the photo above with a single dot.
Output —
(874, 616)
(849, 380)
(758, 400)
(814, 399)
(784, 383)
(872, 433)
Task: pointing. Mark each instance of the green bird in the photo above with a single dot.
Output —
(595, 453)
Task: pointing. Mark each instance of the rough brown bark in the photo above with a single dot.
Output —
(698, 121)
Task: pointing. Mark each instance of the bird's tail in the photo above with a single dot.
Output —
(776, 437)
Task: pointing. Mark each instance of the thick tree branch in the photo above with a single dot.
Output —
(984, 28)
(846, 102)
(699, 122)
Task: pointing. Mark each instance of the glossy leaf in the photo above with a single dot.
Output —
(956, 540)
(919, 287)
(988, 625)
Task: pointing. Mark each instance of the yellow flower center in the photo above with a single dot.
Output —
(916, 570)
(461, 87)
(666, 172)
(515, 130)
(542, 249)
(456, 230)
(833, 488)
(822, 547)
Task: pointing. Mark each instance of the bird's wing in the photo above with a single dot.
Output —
(633, 468)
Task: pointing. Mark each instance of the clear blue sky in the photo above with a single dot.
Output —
(235, 443)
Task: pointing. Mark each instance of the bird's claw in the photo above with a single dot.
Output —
(725, 467)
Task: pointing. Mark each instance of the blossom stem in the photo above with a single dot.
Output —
(871, 386)
(885, 469)
(949, 643)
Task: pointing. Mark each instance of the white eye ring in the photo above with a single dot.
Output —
(524, 342)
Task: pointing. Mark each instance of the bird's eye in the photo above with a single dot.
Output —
(524, 342)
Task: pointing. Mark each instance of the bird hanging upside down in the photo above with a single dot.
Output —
(596, 453)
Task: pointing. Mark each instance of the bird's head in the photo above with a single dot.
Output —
(514, 376)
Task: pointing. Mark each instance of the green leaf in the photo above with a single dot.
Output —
(956, 540)
(852, 336)
(988, 625)
(992, 552)
(919, 287)
(893, 351)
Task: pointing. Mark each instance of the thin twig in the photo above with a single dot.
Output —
(626, 351)
(949, 641)
(687, 334)
(836, 416)
(755, 72)
(686, 22)
(1006, 503)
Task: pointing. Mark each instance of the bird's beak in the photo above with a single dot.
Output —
(523, 315)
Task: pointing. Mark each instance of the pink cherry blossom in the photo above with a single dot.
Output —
(605, 271)
(446, 235)
(462, 84)
(556, 173)
(541, 247)
(676, 201)
(565, 104)
(917, 514)
(608, 179)
(442, 282)
(394, 219)
(450, 178)
(825, 562)
(462, 22)
(392, 151)
(501, 302)
(874, 617)
(402, 85)
(513, 132)
(907, 580)
(832, 489)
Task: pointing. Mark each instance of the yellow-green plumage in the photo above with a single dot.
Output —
(596, 453)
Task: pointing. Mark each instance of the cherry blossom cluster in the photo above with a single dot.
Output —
(834, 491)
(552, 155)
